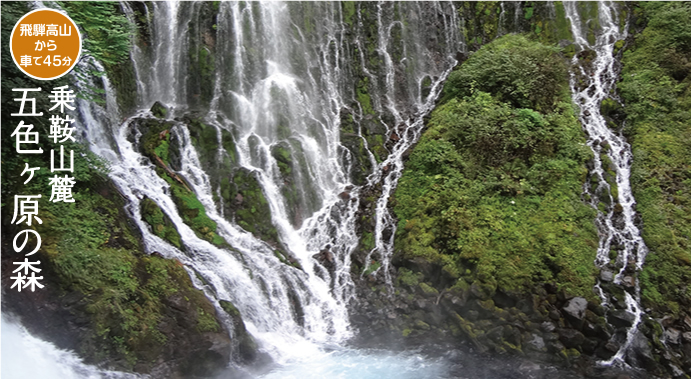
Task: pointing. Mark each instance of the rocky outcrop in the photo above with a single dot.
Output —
(118, 307)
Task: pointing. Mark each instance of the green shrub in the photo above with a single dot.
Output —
(514, 70)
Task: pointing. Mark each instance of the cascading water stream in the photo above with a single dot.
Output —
(407, 106)
(27, 356)
(590, 85)
(277, 85)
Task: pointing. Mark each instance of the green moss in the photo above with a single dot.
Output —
(206, 322)
(283, 158)
(161, 225)
(205, 140)
(89, 248)
(655, 89)
(428, 290)
(349, 10)
(374, 266)
(253, 212)
(532, 74)
(367, 241)
(193, 212)
(492, 190)
(528, 13)
(362, 94)
(162, 149)
(408, 278)
(375, 143)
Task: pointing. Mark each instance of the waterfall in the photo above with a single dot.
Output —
(27, 356)
(407, 106)
(590, 85)
(281, 84)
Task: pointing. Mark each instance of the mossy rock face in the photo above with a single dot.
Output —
(201, 54)
(282, 154)
(160, 223)
(193, 212)
(205, 140)
(250, 207)
(361, 166)
(247, 349)
(155, 141)
(655, 89)
(290, 174)
(159, 110)
(133, 310)
(159, 144)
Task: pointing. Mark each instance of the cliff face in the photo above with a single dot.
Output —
(495, 237)
(496, 243)
(103, 296)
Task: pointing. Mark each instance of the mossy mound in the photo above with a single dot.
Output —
(491, 194)
(656, 89)
(250, 206)
(157, 144)
(160, 223)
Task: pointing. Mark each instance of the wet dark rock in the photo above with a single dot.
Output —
(472, 315)
(687, 323)
(495, 334)
(641, 353)
(537, 343)
(571, 338)
(606, 276)
(667, 321)
(629, 282)
(548, 327)
(687, 337)
(503, 299)
(556, 347)
(621, 318)
(607, 351)
(159, 110)
(596, 308)
(595, 331)
(554, 315)
(326, 259)
(574, 311)
(589, 346)
(672, 336)
(481, 290)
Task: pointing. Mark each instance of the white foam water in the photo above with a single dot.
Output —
(616, 224)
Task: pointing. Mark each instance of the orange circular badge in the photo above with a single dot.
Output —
(45, 44)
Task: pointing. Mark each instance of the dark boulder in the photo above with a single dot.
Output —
(571, 338)
(621, 318)
(574, 311)
(159, 110)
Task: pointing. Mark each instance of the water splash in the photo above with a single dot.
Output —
(24, 355)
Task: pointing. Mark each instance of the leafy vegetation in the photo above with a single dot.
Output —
(492, 190)
(106, 36)
(88, 246)
(107, 30)
(656, 89)
(515, 72)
